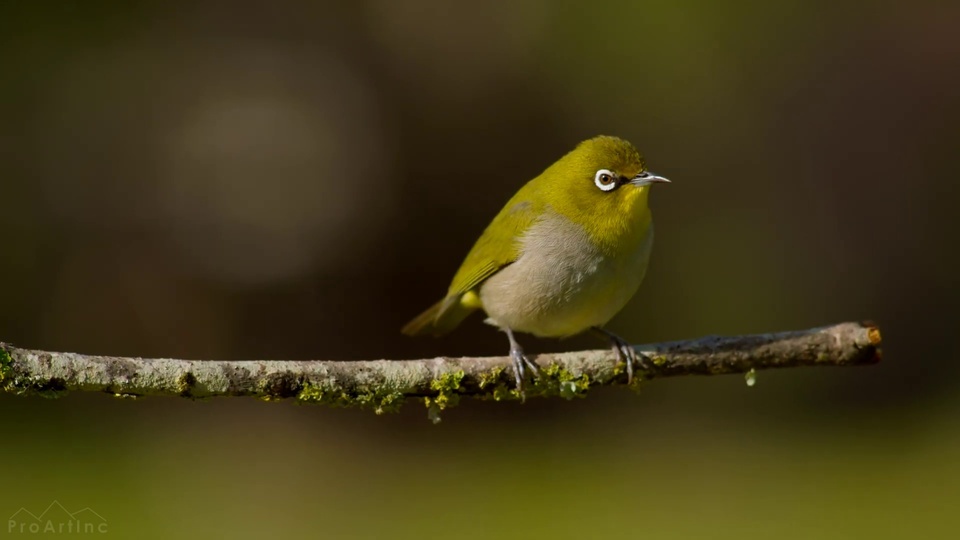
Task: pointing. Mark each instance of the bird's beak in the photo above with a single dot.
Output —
(647, 178)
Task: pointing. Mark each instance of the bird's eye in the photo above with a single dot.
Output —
(605, 180)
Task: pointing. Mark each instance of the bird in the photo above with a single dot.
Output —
(562, 257)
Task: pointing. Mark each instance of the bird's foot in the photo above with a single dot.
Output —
(625, 352)
(520, 364)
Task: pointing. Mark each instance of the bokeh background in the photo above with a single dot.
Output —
(297, 179)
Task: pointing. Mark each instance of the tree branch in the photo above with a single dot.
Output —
(385, 384)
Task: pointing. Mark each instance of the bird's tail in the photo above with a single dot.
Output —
(440, 318)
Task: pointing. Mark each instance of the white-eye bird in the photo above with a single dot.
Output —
(563, 256)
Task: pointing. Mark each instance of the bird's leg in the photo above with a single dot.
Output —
(624, 351)
(519, 359)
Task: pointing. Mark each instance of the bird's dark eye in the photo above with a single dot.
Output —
(605, 180)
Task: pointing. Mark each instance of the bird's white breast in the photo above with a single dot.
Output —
(561, 284)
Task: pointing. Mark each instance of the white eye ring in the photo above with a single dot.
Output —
(605, 180)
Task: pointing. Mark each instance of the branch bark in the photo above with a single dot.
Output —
(385, 384)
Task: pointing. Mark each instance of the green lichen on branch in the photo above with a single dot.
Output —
(448, 390)
(447, 387)
(185, 384)
(490, 378)
(15, 383)
(6, 370)
(556, 380)
(381, 399)
(315, 393)
(493, 385)
(384, 385)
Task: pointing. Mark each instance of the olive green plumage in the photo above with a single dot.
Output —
(564, 254)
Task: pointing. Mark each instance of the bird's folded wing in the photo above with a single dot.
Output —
(498, 246)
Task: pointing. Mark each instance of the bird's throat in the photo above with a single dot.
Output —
(623, 224)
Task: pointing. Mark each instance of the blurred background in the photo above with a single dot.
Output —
(296, 180)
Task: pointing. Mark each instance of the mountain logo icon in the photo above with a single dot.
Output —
(57, 519)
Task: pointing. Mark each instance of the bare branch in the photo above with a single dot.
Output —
(385, 384)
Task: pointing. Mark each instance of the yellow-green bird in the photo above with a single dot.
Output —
(563, 256)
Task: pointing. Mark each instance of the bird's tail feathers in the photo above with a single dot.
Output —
(439, 318)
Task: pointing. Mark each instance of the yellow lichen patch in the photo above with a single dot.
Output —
(556, 380)
(619, 368)
(447, 387)
(185, 384)
(332, 394)
(502, 392)
(488, 378)
(5, 370)
(658, 360)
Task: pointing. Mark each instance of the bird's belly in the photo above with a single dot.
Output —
(561, 284)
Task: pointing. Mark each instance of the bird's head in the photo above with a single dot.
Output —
(601, 184)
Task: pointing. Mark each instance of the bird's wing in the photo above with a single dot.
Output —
(497, 247)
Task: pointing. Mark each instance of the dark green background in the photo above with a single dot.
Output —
(297, 179)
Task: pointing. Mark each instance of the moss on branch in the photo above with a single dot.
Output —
(384, 385)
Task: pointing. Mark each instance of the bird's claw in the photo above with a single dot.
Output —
(520, 363)
(627, 353)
